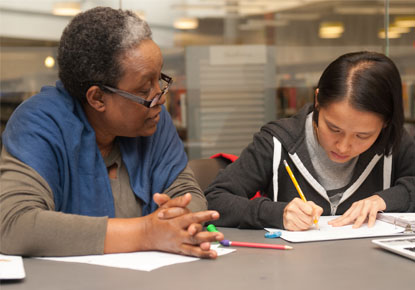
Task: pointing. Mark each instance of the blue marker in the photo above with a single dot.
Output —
(273, 235)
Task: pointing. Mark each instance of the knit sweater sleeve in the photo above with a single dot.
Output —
(185, 183)
(401, 195)
(232, 189)
(29, 224)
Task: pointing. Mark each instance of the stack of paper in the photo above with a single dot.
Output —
(11, 267)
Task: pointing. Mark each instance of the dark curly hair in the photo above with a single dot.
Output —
(91, 46)
(371, 82)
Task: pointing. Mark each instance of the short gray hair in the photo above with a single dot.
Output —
(91, 46)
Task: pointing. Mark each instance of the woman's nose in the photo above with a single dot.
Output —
(162, 99)
(344, 144)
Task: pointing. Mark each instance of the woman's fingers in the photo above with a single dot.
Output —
(160, 198)
(172, 212)
(360, 211)
(317, 210)
(199, 245)
(194, 229)
(203, 237)
(198, 217)
(197, 251)
(164, 201)
(348, 217)
(299, 215)
(372, 217)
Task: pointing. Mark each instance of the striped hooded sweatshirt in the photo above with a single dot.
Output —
(260, 167)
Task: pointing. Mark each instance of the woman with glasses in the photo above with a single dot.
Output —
(348, 152)
(94, 165)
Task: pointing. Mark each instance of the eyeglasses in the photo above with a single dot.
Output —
(164, 83)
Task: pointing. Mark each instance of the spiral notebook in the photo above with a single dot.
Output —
(405, 220)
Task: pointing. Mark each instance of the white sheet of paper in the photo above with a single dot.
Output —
(327, 232)
(143, 261)
(11, 267)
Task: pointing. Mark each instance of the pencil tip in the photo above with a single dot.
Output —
(288, 247)
(316, 224)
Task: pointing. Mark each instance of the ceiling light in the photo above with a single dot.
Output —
(66, 8)
(372, 10)
(186, 23)
(49, 62)
(391, 34)
(405, 21)
(331, 29)
(329, 35)
(398, 29)
(358, 10)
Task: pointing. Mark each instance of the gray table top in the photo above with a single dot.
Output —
(333, 265)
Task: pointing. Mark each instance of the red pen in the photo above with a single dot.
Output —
(228, 243)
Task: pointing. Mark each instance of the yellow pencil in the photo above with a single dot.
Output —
(297, 186)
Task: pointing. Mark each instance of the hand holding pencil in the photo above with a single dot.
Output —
(300, 214)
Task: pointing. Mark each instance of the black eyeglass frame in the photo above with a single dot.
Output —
(140, 100)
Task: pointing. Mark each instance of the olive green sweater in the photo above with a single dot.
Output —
(30, 226)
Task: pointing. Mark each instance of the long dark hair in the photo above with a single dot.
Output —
(370, 82)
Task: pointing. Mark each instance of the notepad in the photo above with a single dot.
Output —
(11, 267)
(328, 232)
(402, 246)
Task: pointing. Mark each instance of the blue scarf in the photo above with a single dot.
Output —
(50, 133)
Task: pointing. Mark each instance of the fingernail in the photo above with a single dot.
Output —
(161, 214)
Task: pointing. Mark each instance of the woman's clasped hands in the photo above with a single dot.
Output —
(171, 228)
(174, 228)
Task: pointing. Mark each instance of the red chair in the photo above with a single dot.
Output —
(205, 170)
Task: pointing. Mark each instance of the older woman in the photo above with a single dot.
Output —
(84, 162)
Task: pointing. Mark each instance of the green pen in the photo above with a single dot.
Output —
(211, 228)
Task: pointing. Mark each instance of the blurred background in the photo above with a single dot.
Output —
(236, 64)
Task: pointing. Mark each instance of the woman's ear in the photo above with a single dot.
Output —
(315, 98)
(95, 98)
(315, 110)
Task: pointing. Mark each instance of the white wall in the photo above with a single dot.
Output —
(30, 19)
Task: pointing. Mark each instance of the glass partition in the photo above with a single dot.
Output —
(300, 39)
